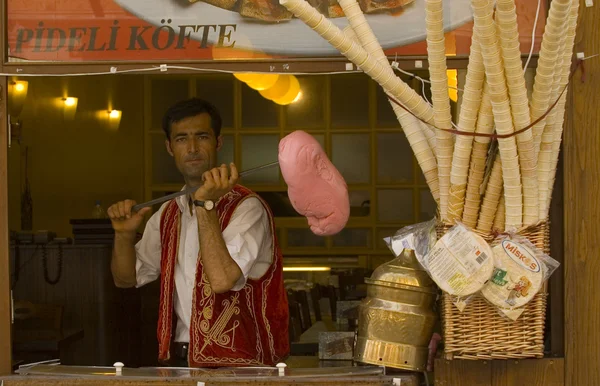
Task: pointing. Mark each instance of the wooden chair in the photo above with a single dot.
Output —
(302, 298)
(295, 326)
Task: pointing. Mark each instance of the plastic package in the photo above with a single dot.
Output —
(519, 274)
(418, 237)
(461, 263)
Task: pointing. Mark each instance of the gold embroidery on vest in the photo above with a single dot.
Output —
(217, 333)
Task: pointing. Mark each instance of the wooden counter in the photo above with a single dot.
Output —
(336, 376)
(71, 381)
(531, 372)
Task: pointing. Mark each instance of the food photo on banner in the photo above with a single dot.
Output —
(207, 30)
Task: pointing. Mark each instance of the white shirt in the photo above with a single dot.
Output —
(248, 239)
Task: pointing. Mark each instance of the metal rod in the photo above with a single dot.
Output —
(192, 189)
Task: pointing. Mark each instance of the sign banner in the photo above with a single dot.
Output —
(191, 30)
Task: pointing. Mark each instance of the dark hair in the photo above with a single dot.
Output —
(190, 108)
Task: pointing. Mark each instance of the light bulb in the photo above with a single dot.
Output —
(298, 97)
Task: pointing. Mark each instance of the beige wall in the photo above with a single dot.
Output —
(73, 163)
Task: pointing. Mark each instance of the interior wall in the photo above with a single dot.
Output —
(73, 163)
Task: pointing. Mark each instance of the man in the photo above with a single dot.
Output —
(215, 251)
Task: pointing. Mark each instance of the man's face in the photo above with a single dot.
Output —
(194, 147)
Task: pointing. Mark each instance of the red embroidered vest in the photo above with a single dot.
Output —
(248, 327)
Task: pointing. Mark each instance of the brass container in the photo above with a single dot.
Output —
(396, 319)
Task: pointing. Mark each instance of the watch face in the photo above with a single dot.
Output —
(209, 204)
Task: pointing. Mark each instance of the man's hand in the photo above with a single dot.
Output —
(217, 182)
(123, 219)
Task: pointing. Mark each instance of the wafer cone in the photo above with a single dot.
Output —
(476, 175)
(485, 117)
(560, 107)
(436, 55)
(361, 29)
(468, 116)
(485, 223)
(411, 126)
(554, 32)
(558, 129)
(544, 165)
(485, 125)
(349, 32)
(491, 198)
(500, 216)
(544, 158)
(359, 56)
(429, 133)
(418, 142)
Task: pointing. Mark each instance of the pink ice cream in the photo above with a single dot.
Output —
(316, 188)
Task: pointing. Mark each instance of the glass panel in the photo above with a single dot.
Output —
(351, 155)
(319, 137)
(394, 159)
(377, 260)
(419, 85)
(349, 112)
(529, 78)
(218, 91)
(258, 111)
(258, 150)
(461, 77)
(428, 208)
(280, 204)
(226, 154)
(165, 92)
(304, 238)
(386, 118)
(382, 233)
(309, 111)
(164, 170)
(385, 114)
(360, 203)
(422, 180)
(395, 205)
(353, 237)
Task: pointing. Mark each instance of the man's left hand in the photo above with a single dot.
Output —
(217, 182)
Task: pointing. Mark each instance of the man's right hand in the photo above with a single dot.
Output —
(123, 219)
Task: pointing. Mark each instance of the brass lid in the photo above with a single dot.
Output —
(403, 272)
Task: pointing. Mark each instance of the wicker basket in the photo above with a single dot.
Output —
(480, 332)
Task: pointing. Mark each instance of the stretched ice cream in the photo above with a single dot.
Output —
(316, 188)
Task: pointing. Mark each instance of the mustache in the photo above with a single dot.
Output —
(193, 158)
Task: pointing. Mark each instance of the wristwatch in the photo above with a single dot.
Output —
(208, 204)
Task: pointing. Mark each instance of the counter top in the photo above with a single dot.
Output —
(330, 376)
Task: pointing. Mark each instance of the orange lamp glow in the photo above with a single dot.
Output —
(293, 93)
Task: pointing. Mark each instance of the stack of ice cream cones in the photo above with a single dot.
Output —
(488, 190)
